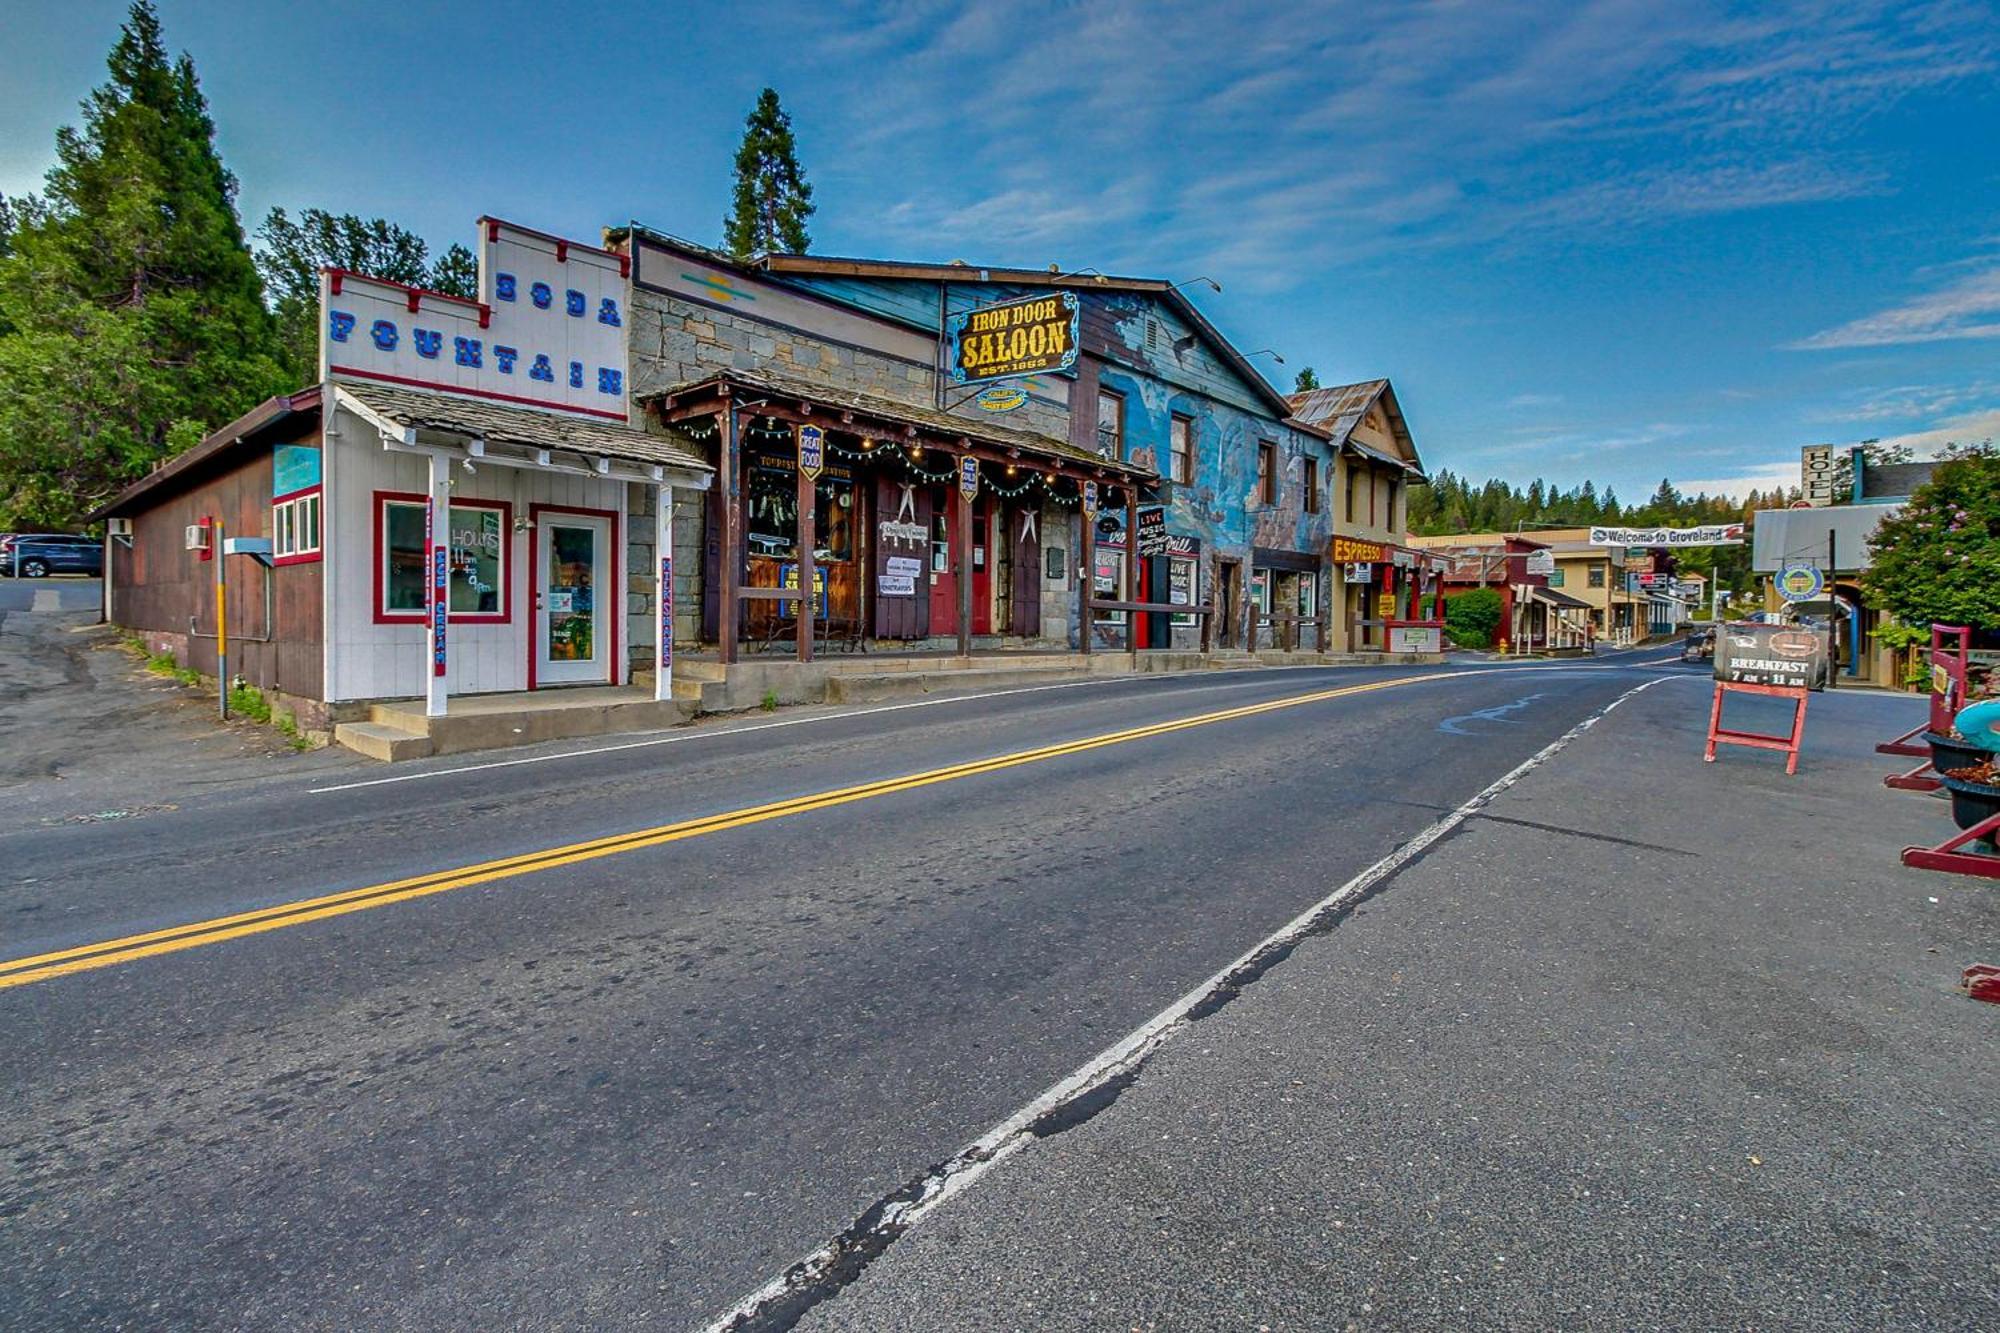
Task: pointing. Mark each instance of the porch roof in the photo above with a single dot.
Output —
(524, 427)
(849, 410)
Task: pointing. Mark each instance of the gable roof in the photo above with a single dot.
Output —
(1340, 408)
(590, 437)
(834, 266)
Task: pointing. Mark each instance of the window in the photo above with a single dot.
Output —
(1597, 576)
(1181, 575)
(1311, 483)
(1180, 449)
(1353, 491)
(1555, 578)
(1267, 472)
(1110, 423)
(476, 536)
(295, 529)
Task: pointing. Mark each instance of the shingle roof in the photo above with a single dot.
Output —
(531, 427)
(892, 409)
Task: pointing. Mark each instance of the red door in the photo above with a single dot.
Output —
(982, 569)
(944, 583)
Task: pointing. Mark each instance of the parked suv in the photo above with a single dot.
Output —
(38, 554)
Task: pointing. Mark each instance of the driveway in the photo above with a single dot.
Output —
(91, 734)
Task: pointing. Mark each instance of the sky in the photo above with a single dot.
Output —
(1608, 239)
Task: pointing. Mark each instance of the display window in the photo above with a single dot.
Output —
(476, 538)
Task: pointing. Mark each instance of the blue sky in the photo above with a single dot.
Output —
(1613, 240)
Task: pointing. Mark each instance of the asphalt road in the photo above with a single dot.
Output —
(628, 1086)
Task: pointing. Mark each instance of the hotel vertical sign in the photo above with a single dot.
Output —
(1024, 337)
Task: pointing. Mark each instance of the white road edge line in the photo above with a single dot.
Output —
(679, 737)
(1011, 1135)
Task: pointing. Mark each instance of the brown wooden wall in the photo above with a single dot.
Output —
(158, 585)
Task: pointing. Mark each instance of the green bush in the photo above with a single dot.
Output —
(1472, 616)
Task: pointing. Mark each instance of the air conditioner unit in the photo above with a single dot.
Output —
(197, 536)
(118, 527)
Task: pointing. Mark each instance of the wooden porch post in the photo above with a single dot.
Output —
(1130, 582)
(961, 539)
(1086, 570)
(663, 590)
(808, 530)
(729, 608)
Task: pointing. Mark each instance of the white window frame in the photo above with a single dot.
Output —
(290, 519)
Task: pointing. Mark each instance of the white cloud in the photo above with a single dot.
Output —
(1966, 428)
(1763, 477)
(1967, 308)
(1534, 400)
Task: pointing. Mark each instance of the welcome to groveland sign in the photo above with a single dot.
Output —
(1712, 534)
(1029, 336)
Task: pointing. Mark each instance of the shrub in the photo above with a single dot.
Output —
(1472, 616)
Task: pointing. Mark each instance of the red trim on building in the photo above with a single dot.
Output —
(381, 500)
(476, 393)
(414, 292)
(613, 602)
(492, 233)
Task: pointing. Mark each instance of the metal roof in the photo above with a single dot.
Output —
(1339, 408)
(895, 410)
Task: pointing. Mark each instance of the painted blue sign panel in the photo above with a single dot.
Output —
(294, 468)
(1024, 337)
(1090, 497)
(812, 451)
(968, 477)
(667, 611)
(1002, 398)
(1800, 583)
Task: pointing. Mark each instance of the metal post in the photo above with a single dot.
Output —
(221, 618)
(1832, 614)
(663, 591)
(808, 497)
(728, 606)
(437, 583)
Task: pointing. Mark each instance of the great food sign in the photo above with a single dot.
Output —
(550, 331)
(1026, 337)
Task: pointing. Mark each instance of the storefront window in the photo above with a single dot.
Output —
(476, 540)
(1110, 583)
(833, 520)
(1260, 589)
(773, 509)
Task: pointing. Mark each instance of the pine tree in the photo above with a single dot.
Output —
(456, 273)
(1306, 381)
(131, 315)
(772, 200)
(293, 253)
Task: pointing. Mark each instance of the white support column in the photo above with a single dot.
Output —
(663, 590)
(437, 585)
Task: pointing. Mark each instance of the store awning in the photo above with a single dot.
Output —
(1562, 601)
(523, 436)
(886, 419)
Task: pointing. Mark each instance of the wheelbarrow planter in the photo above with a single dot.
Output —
(1948, 753)
(1972, 803)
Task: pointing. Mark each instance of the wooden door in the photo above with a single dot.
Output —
(1025, 527)
(982, 567)
(1228, 578)
(901, 559)
(943, 565)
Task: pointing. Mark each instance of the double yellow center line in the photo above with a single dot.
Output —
(130, 948)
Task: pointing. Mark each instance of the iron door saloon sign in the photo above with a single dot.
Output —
(1025, 337)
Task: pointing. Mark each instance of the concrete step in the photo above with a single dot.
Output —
(855, 688)
(379, 740)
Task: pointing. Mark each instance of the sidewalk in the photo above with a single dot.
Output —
(1646, 1044)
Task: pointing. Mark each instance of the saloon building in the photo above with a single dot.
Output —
(1140, 459)
(630, 458)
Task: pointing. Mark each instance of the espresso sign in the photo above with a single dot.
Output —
(1024, 337)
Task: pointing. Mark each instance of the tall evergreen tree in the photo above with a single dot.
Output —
(131, 315)
(456, 272)
(1306, 381)
(772, 200)
(293, 252)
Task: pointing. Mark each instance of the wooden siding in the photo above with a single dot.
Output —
(161, 588)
